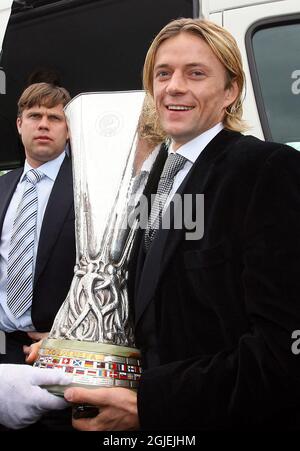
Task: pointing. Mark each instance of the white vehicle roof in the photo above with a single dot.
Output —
(213, 6)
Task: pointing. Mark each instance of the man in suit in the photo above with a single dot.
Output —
(42, 127)
(214, 317)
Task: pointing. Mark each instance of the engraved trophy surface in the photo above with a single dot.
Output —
(92, 335)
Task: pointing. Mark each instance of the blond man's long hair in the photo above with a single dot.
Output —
(149, 127)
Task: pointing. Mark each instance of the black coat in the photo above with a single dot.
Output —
(214, 317)
(56, 250)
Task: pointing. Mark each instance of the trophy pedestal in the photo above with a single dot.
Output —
(92, 365)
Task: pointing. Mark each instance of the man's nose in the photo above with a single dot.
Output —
(44, 123)
(177, 84)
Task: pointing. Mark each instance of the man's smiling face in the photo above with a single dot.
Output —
(189, 87)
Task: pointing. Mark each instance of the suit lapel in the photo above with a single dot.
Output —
(8, 185)
(166, 242)
(58, 207)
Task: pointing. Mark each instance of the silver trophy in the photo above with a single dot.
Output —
(92, 335)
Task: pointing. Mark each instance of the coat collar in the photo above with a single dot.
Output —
(58, 207)
(8, 185)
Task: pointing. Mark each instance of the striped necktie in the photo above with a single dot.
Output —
(20, 257)
(174, 163)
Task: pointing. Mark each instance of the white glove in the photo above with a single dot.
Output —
(22, 401)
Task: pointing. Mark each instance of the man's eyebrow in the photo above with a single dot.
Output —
(161, 66)
(204, 66)
(60, 116)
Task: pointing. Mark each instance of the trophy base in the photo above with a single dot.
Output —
(91, 365)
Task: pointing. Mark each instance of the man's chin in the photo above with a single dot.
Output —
(43, 155)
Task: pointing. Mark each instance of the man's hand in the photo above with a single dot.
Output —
(117, 408)
(37, 336)
(32, 351)
(22, 401)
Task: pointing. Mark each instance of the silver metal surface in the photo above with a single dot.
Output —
(104, 155)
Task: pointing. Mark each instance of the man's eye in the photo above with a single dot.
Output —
(162, 74)
(197, 73)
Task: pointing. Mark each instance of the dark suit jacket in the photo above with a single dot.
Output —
(56, 250)
(214, 317)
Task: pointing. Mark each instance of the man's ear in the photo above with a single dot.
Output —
(232, 92)
(19, 124)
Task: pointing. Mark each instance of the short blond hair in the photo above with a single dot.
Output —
(223, 45)
(43, 94)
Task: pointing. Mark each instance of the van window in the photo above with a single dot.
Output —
(276, 50)
(90, 45)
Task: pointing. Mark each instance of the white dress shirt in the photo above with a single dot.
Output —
(191, 151)
(8, 322)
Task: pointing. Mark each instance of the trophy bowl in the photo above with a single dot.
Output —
(92, 335)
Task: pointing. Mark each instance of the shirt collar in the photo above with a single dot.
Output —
(192, 149)
(148, 163)
(49, 169)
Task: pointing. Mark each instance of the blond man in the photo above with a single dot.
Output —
(214, 313)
